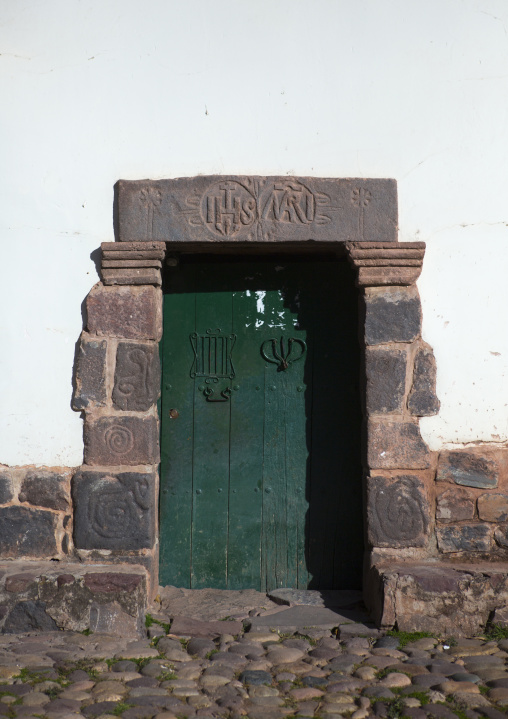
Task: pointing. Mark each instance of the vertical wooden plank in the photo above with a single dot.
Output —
(211, 448)
(297, 453)
(176, 436)
(297, 389)
(246, 451)
(276, 520)
(274, 483)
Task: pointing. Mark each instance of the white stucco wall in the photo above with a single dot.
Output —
(97, 90)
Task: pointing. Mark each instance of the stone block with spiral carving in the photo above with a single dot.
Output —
(398, 512)
(113, 511)
(121, 440)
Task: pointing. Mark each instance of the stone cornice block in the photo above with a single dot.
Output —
(386, 263)
(137, 248)
(132, 276)
(132, 263)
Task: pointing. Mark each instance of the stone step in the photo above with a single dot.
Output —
(451, 598)
(50, 596)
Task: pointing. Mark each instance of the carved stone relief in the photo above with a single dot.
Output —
(398, 512)
(137, 376)
(113, 511)
(257, 209)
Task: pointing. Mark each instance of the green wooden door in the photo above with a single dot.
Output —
(260, 426)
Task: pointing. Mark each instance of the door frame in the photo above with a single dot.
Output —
(121, 440)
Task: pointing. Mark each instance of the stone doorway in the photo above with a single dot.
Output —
(116, 491)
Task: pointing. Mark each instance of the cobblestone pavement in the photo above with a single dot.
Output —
(257, 674)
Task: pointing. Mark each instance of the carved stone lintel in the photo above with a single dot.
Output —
(386, 263)
(258, 210)
(132, 263)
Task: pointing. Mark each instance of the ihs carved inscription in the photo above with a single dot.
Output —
(230, 208)
(227, 207)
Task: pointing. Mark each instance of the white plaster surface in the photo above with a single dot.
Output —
(97, 90)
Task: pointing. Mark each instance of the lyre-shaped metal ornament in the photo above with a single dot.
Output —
(282, 352)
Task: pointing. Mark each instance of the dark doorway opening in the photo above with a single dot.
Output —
(261, 474)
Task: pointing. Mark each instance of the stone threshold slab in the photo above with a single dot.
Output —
(301, 617)
(331, 598)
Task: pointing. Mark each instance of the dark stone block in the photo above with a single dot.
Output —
(45, 489)
(392, 314)
(129, 312)
(114, 511)
(396, 445)
(121, 440)
(386, 379)
(107, 582)
(90, 374)
(29, 616)
(454, 505)
(6, 493)
(27, 532)
(422, 400)
(398, 512)
(137, 376)
(257, 209)
(470, 468)
(501, 537)
(464, 538)
(19, 582)
(493, 507)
